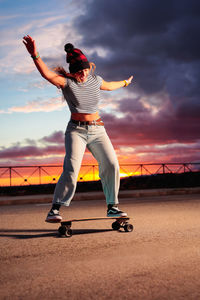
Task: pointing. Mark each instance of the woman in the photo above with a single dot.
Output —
(81, 89)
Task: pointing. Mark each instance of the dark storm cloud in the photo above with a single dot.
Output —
(139, 126)
(155, 40)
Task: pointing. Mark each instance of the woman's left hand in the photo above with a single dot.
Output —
(129, 80)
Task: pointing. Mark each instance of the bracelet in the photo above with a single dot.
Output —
(35, 57)
(125, 83)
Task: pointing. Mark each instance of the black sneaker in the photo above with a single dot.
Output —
(115, 212)
(53, 216)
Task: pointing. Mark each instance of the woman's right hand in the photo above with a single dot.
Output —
(30, 45)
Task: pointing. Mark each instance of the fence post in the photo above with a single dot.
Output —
(10, 174)
(163, 165)
(93, 167)
(39, 174)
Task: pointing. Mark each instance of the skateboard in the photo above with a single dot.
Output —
(120, 222)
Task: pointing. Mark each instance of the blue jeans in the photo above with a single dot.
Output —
(95, 138)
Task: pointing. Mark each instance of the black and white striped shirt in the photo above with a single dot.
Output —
(83, 97)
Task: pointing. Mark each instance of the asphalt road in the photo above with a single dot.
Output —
(160, 259)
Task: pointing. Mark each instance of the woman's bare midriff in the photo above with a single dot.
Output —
(85, 117)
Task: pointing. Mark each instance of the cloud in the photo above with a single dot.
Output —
(54, 138)
(47, 105)
(140, 126)
(130, 148)
(48, 29)
(143, 32)
(30, 150)
(158, 42)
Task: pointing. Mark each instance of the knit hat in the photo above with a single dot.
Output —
(76, 59)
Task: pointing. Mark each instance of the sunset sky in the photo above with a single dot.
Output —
(155, 119)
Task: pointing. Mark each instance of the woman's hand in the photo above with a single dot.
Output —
(128, 81)
(30, 45)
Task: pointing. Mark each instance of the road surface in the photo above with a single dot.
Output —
(160, 259)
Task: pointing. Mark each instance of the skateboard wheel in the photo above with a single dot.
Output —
(62, 230)
(68, 233)
(116, 225)
(128, 227)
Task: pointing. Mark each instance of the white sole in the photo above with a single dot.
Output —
(117, 216)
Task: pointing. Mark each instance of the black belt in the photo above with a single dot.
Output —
(98, 122)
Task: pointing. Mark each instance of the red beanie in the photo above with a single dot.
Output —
(76, 59)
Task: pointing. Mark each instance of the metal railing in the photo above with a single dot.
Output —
(47, 174)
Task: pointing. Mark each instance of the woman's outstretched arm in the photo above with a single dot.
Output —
(114, 85)
(49, 75)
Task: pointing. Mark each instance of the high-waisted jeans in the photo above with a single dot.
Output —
(95, 138)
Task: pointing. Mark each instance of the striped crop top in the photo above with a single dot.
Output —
(83, 97)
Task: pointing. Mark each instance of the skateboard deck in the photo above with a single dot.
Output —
(120, 222)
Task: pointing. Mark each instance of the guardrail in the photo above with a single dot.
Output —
(47, 174)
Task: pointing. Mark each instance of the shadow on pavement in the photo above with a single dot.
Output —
(21, 233)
